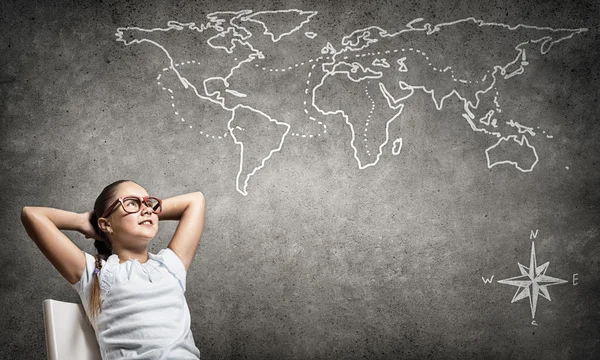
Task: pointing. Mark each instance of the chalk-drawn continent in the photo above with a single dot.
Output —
(258, 137)
(280, 23)
(368, 115)
(514, 151)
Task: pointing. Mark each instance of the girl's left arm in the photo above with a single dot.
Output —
(189, 209)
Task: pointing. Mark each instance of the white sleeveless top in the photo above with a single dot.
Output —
(144, 314)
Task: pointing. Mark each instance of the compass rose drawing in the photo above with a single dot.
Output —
(533, 282)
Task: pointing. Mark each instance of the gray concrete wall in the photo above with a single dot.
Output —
(328, 248)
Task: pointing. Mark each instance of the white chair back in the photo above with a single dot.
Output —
(69, 334)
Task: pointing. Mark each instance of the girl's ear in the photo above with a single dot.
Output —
(104, 225)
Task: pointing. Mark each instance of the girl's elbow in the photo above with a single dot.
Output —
(29, 215)
(25, 214)
(200, 198)
(199, 194)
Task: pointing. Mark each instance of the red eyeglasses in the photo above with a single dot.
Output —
(132, 204)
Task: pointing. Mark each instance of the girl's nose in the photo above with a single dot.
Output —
(146, 209)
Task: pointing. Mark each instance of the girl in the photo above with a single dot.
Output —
(134, 299)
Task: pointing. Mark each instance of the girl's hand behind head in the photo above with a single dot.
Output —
(87, 229)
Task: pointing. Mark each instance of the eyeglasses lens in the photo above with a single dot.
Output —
(154, 204)
(132, 205)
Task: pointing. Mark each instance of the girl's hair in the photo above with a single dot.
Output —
(104, 247)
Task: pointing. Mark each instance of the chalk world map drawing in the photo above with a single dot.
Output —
(250, 80)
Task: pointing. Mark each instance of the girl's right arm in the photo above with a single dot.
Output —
(44, 225)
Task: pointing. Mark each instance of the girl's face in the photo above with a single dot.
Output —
(127, 229)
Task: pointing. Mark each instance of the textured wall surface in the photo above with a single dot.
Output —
(375, 188)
